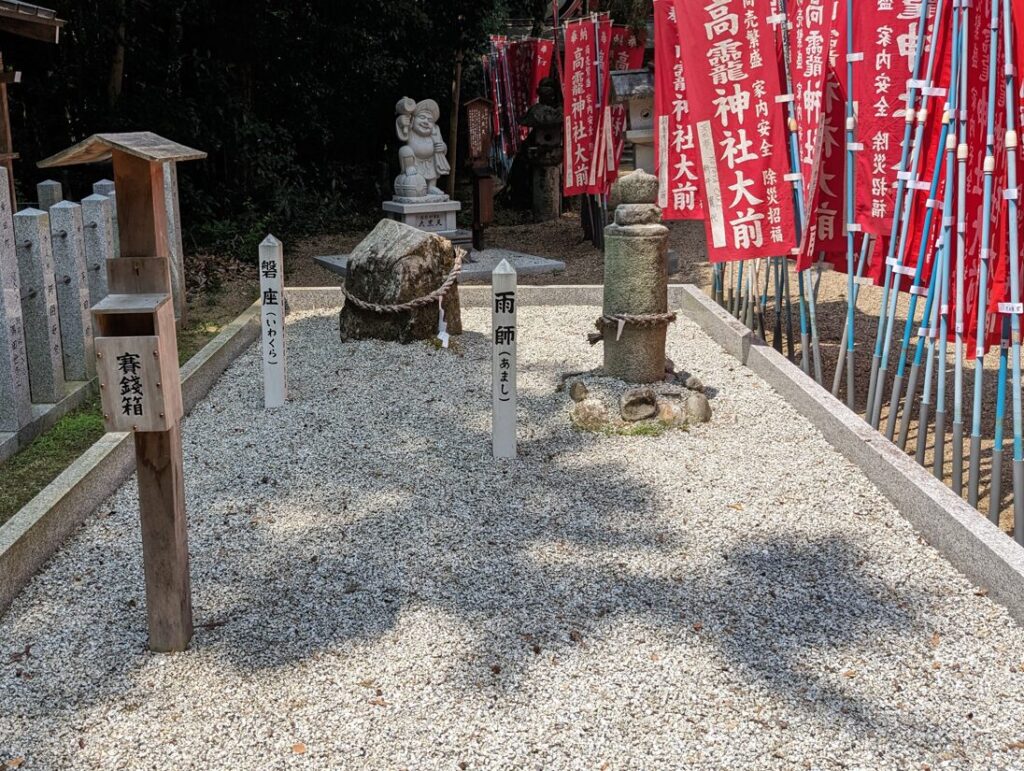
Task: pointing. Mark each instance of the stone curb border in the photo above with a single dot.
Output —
(31, 536)
(971, 543)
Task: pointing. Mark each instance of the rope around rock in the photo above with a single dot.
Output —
(644, 321)
(419, 302)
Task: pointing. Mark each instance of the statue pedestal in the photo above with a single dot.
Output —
(432, 217)
(438, 217)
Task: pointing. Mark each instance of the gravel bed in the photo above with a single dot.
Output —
(373, 591)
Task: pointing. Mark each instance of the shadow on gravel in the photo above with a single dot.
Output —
(537, 559)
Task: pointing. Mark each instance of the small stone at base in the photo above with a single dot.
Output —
(638, 404)
(578, 391)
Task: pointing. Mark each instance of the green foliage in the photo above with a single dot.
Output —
(292, 99)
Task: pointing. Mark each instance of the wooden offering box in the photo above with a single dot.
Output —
(135, 358)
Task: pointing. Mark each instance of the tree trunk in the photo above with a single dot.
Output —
(116, 84)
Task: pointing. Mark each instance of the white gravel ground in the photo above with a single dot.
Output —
(377, 593)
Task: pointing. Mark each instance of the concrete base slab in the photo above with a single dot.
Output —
(477, 269)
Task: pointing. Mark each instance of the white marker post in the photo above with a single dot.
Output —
(503, 290)
(275, 378)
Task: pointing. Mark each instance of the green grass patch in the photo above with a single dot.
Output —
(23, 475)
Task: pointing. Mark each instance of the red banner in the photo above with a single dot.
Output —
(627, 53)
(543, 55)
(584, 102)
(675, 148)
(886, 33)
(820, 117)
(978, 60)
(733, 90)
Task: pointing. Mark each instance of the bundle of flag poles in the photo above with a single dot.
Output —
(875, 138)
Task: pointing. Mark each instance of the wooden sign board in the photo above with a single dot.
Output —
(131, 376)
(478, 119)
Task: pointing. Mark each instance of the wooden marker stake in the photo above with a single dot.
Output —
(137, 365)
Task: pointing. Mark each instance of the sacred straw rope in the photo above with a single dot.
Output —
(420, 302)
(646, 321)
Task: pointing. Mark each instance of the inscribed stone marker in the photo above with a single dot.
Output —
(50, 193)
(15, 399)
(98, 219)
(106, 188)
(174, 242)
(504, 330)
(275, 379)
(73, 303)
(39, 306)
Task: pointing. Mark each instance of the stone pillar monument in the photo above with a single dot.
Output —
(636, 315)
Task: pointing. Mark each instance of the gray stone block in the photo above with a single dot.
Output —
(106, 188)
(98, 221)
(39, 306)
(718, 323)
(73, 303)
(636, 283)
(174, 242)
(15, 398)
(50, 193)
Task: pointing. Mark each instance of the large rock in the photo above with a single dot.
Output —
(397, 263)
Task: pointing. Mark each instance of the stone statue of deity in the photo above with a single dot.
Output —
(424, 156)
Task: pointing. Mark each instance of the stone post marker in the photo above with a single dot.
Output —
(106, 188)
(174, 242)
(636, 315)
(139, 377)
(39, 306)
(505, 331)
(15, 397)
(50, 193)
(275, 377)
(73, 302)
(98, 219)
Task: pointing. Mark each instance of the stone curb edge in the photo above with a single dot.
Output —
(971, 543)
(36, 532)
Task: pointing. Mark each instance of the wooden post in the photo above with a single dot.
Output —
(478, 121)
(504, 333)
(7, 154)
(275, 377)
(137, 354)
